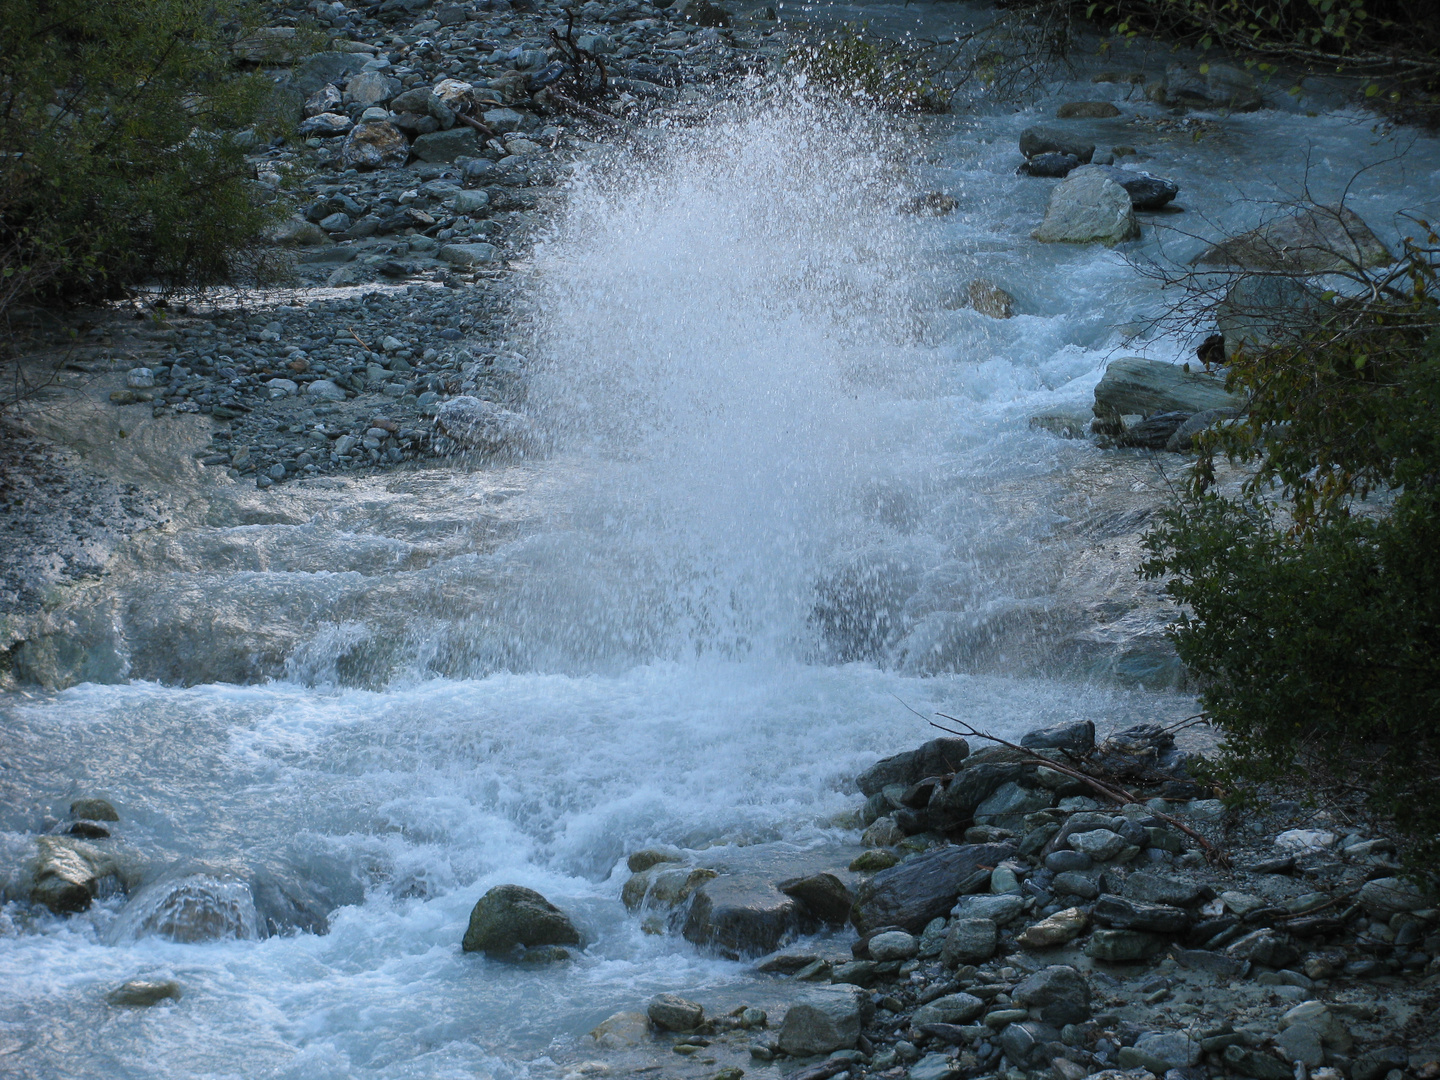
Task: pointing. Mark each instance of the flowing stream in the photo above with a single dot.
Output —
(788, 489)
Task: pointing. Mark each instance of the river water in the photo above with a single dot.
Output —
(788, 490)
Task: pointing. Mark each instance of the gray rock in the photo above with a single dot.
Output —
(969, 941)
(504, 120)
(671, 1012)
(325, 100)
(325, 390)
(1155, 888)
(1264, 947)
(1087, 209)
(1311, 240)
(1078, 737)
(955, 804)
(477, 254)
(447, 146)
(1073, 883)
(509, 916)
(1303, 1044)
(1060, 993)
(932, 1067)
(1011, 799)
(1059, 928)
(622, 1031)
(1217, 964)
(741, 916)
(370, 88)
(1122, 946)
(893, 945)
(142, 993)
(374, 146)
(1392, 895)
(1259, 1065)
(1146, 192)
(1063, 860)
(924, 888)
(824, 896)
(1220, 86)
(939, 757)
(998, 909)
(1123, 913)
(1026, 1042)
(1050, 165)
(326, 126)
(1134, 386)
(1376, 1063)
(93, 810)
(1175, 1048)
(1183, 437)
(470, 202)
(1260, 310)
(337, 222)
(949, 1009)
(1042, 140)
(825, 1020)
(1100, 844)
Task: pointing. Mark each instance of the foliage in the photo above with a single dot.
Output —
(1311, 595)
(120, 157)
(853, 65)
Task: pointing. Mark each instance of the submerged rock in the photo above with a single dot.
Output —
(142, 993)
(1086, 110)
(742, 916)
(480, 425)
(191, 910)
(509, 916)
(93, 810)
(621, 1031)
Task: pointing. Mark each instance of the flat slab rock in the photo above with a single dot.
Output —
(924, 888)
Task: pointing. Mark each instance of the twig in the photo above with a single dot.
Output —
(470, 121)
(1213, 854)
(358, 338)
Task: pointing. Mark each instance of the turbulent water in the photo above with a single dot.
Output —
(788, 488)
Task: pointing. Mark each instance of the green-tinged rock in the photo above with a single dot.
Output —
(142, 993)
(868, 862)
(1122, 946)
(93, 810)
(511, 915)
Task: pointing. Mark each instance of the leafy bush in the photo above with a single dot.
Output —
(1311, 595)
(882, 74)
(119, 158)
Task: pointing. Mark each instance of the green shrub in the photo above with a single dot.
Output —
(881, 74)
(119, 158)
(1311, 596)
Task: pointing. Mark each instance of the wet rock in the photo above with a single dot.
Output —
(939, 757)
(931, 204)
(374, 146)
(1010, 800)
(893, 945)
(94, 809)
(1086, 110)
(969, 941)
(825, 1020)
(509, 916)
(1059, 992)
(868, 862)
(480, 425)
(1088, 209)
(989, 299)
(476, 254)
(671, 1012)
(1053, 166)
(925, 888)
(1042, 140)
(639, 861)
(1312, 240)
(739, 916)
(1055, 930)
(885, 832)
(1220, 86)
(1077, 737)
(1122, 946)
(663, 886)
(68, 873)
(1134, 386)
(142, 993)
(1123, 913)
(191, 910)
(1146, 192)
(1075, 883)
(622, 1031)
(948, 1009)
(824, 896)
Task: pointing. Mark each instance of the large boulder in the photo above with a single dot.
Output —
(1261, 310)
(510, 916)
(938, 757)
(1088, 208)
(924, 888)
(190, 910)
(1310, 240)
(823, 896)
(825, 1020)
(1146, 192)
(1135, 386)
(741, 915)
(1218, 86)
(1042, 140)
